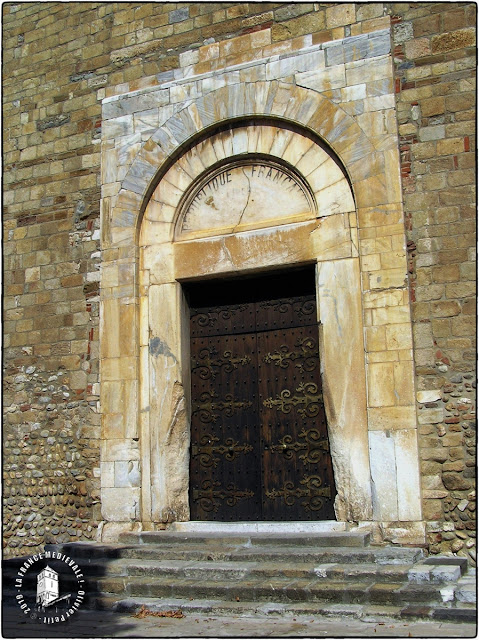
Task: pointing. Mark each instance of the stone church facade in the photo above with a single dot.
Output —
(156, 151)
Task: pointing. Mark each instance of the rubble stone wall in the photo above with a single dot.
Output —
(59, 59)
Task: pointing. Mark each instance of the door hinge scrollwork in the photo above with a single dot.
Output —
(207, 406)
(207, 448)
(210, 493)
(208, 366)
(210, 318)
(313, 492)
(283, 356)
(284, 305)
(307, 398)
(313, 447)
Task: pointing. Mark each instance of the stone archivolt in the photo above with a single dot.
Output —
(295, 179)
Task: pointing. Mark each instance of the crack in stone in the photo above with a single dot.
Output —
(247, 202)
(227, 251)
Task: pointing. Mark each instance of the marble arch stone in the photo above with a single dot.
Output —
(288, 102)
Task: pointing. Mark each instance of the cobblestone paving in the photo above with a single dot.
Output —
(105, 624)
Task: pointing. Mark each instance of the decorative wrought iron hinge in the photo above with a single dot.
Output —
(307, 398)
(313, 446)
(313, 492)
(207, 448)
(210, 493)
(308, 352)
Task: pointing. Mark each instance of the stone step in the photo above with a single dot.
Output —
(234, 570)
(259, 527)
(243, 552)
(238, 570)
(366, 612)
(215, 607)
(229, 539)
(277, 589)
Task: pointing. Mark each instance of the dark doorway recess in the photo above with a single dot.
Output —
(259, 441)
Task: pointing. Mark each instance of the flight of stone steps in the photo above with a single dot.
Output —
(332, 573)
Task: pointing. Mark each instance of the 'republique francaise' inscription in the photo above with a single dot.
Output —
(243, 196)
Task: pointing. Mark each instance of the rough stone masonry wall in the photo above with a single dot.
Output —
(435, 89)
(58, 60)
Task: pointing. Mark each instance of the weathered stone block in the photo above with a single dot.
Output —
(453, 40)
(340, 15)
(433, 416)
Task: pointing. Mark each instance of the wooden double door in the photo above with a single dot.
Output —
(259, 448)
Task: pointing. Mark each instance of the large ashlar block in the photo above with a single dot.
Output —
(387, 279)
(372, 191)
(144, 331)
(371, 262)
(393, 175)
(324, 79)
(117, 127)
(397, 314)
(121, 235)
(127, 149)
(342, 366)
(107, 470)
(381, 356)
(112, 398)
(380, 216)
(404, 383)
(408, 475)
(127, 473)
(372, 244)
(399, 336)
(120, 504)
(119, 449)
(335, 198)
(146, 122)
(395, 474)
(128, 317)
(110, 317)
(384, 480)
(159, 261)
(168, 416)
(388, 298)
(399, 417)
(119, 368)
(368, 71)
(402, 532)
(375, 338)
(120, 398)
(109, 274)
(393, 260)
(286, 245)
(332, 238)
(109, 166)
(381, 386)
(113, 426)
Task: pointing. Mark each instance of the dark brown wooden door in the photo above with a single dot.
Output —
(259, 446)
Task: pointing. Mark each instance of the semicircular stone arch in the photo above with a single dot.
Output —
(327, 181)
(304, 107)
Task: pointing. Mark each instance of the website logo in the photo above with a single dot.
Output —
(50, 587)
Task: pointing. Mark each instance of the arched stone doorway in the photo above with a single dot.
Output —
(226, 225)
(347, 213)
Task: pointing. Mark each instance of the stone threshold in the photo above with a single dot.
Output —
(259, 527)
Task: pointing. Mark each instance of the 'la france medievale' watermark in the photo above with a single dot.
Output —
(48, 599)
